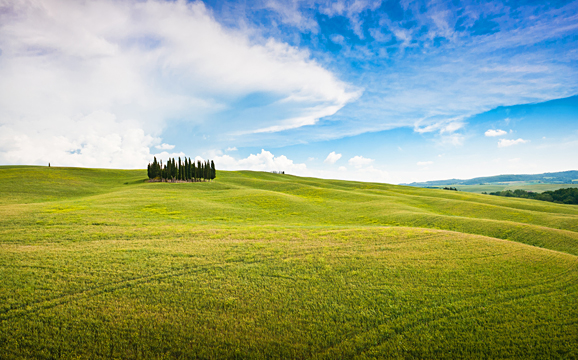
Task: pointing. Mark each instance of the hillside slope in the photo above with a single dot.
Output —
(100, 264)
(254, 198)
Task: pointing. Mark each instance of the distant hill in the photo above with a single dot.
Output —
(562, 177)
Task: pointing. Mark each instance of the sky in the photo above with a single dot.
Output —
(383, 91)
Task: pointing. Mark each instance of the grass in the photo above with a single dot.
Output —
(258, 265)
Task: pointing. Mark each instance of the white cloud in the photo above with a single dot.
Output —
(232, 148)
(141, 63)
(342, 168)
(452, 139)
(497, 132)
(507, 142)
(95, 140)
(264, 161)
(164, 156)
(165, 147)
(337, 38)
(444, 127)
(451, 127)
(424, 163)
(310, 158)
(332, 158)
(290, 14)
(359, 161)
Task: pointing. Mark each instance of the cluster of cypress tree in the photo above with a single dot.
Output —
(174, 171)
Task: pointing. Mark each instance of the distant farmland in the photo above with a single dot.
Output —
(529, 182)
(101, 264)
(514, 185)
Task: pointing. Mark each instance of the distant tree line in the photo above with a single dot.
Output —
(178, 170)
(450, 188)
(561, 196)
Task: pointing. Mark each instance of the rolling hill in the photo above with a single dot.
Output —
(100, 264)
(562, 177)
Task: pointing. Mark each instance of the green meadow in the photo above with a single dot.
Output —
(99, 264)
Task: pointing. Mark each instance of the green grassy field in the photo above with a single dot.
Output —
(512, 186)
(99, 264)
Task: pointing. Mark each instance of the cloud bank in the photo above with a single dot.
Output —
(94, 83)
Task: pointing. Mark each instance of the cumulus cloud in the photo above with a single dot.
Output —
(139, 63)
(496, 132)
(232, 148)
(267, 161)
(164, 156)
(424, 163)
(508, 142)
(95, 140)
(332, 158)
(263, 161)
(165, 147)
(359, 161)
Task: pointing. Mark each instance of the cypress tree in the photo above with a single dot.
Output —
(190, 173)
(213, 170)
(186, 169)
(169, 169)
(194, 172)
(199, 173)
(174, 170)
(168, 174)
(149, 170)
(154, 168)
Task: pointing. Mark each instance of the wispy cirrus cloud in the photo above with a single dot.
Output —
(444, 60)
(508, 142)
(424, 163)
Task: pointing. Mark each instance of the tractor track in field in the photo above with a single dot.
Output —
(44, 304)
(327, 353)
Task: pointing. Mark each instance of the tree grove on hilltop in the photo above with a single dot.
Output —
(181, 171)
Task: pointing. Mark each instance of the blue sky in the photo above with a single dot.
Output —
(382, 91)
